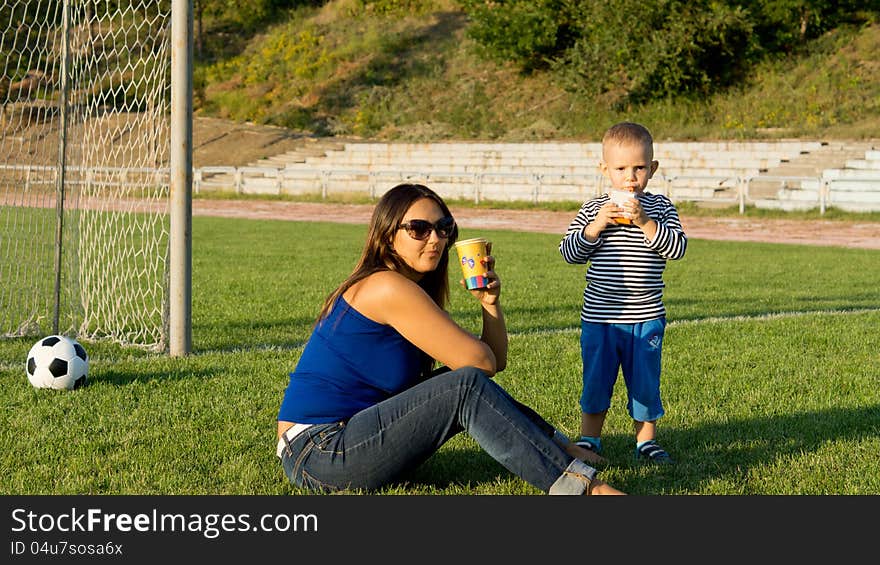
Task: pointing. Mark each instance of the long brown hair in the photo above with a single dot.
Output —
(379, 255)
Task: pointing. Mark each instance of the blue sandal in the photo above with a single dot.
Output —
(651, 452)
(589, 445)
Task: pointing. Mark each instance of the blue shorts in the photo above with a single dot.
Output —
(635, 348)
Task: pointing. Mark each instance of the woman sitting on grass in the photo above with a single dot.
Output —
(364, 406)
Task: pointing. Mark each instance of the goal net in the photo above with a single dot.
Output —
(84, 169)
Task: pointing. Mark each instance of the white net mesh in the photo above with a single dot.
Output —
(85, 103)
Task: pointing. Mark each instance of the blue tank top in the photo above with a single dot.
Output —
(349, 363)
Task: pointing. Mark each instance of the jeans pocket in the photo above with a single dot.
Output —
(322, 437)
(318, 441)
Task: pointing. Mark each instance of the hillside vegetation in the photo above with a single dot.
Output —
(344, 68)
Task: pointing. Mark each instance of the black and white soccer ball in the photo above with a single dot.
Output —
(58, 362)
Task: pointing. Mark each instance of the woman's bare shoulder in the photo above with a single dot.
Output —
(383, 282)
(379, 293)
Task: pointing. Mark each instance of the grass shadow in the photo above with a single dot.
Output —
(729, 450)
(722, 451)
(459, 467)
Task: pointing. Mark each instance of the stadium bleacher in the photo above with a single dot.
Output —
(787, 174)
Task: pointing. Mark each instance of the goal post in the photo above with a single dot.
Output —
(95, 211)
(180, 276)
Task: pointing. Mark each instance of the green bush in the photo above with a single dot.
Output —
(631, 51)
(529, 32)
(784, 25)
(681, 48)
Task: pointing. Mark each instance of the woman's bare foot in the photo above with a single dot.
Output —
(598, 487)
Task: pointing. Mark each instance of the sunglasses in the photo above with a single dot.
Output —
(421, 229)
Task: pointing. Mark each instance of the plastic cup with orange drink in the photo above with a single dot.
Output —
(620, 197)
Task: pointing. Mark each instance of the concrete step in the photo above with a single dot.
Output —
(308, 148)
(828, 155)
(775, 174)
(851, 174)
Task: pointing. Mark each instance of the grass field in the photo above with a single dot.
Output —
(771, 370)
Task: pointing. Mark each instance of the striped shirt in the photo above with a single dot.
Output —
(625, 276)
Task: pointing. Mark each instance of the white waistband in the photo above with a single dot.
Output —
(288, 436)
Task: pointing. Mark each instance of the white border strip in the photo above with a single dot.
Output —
(718, 320)
(527, 333)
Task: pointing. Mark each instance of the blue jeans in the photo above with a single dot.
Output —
(380, 443)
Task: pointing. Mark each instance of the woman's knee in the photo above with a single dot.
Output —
(468, 376)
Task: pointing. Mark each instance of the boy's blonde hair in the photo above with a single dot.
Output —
(629, 133)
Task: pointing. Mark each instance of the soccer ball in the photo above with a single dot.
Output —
(57, 362)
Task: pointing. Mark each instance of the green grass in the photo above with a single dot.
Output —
(770, 374)
(115, 252)
(27, 255)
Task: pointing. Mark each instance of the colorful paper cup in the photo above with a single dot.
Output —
(470, 255)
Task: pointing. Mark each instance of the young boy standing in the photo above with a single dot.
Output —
(623, 317)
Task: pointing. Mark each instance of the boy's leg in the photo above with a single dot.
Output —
(641, 371)
(641, 363)
(645, 430)
(600, 367)
(591, 424)
(591, 432)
